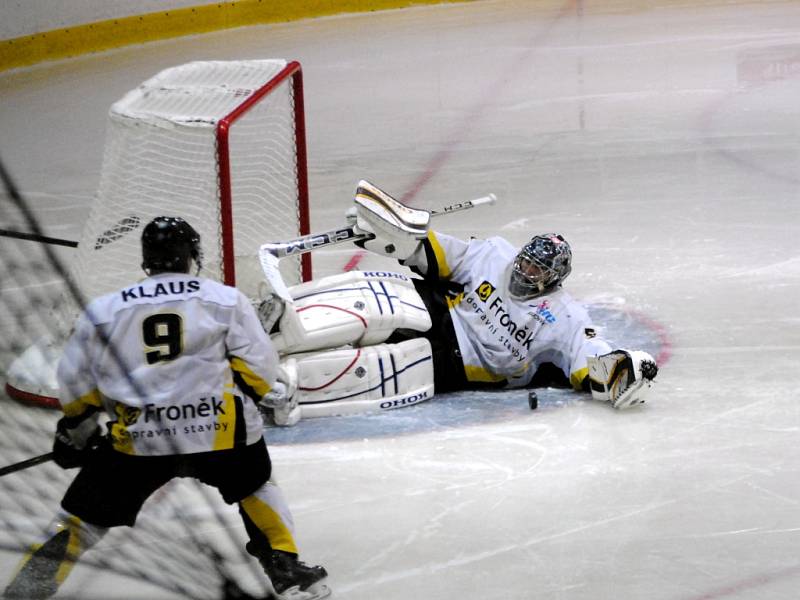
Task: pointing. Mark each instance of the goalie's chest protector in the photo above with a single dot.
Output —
(500, 337)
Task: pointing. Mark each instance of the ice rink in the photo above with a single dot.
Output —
(662, 138)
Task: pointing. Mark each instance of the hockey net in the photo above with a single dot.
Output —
(221, 145)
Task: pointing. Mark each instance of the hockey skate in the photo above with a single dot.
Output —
(291, 578)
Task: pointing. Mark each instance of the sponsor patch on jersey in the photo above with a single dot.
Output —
(485, 290)
(128, 415)
(543, 312)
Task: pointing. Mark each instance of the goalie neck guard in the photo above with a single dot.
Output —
(168, 246)
(542, 265)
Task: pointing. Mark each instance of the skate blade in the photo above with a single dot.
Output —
(316, 591)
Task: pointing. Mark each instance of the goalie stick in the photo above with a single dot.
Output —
(270, 253)
(313, 241)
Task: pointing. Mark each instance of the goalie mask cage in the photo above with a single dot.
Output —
(218, 143)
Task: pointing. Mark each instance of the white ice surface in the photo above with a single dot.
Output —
(663, 140)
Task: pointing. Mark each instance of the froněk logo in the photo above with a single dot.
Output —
(485, 290)
(128, 415)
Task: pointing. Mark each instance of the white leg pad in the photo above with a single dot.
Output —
(368, 379)
(359, 308)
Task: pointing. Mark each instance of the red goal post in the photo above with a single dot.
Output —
(292, 72)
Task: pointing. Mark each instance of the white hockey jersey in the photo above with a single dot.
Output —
(175, 361)
(502, 338)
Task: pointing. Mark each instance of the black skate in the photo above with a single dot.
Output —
(292, 578)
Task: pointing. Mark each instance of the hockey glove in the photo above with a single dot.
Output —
(269, 311)
(277, 397)
(621, 377)
(282, 398)
(72, 446)
(285, 411)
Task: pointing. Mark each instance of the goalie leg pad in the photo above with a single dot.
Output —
(368, 379)
(359, 308)
(621, 377)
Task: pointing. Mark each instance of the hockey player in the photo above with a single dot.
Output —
(484, 314)
(178, 363)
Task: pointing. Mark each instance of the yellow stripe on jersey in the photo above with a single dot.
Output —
(441, 259)
(260, 386)
(480, 374)
(577, 377)
(269, 523)
(79, 405)
(223, 440)
(452, 302)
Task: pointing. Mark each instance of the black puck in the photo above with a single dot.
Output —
(533, 400)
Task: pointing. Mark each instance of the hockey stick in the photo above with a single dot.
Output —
(34, 237)
(313, 241)
(31, 462)
(115, 232)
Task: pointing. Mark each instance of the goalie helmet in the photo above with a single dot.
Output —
(168, 246)
(541, 266)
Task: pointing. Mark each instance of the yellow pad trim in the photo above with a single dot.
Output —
(270, 524)
(137, 29)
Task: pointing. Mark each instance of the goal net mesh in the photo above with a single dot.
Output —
(166, 154)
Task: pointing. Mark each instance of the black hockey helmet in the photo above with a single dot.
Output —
(542, 265)
(169, 244)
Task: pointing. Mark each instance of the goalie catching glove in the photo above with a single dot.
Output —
(621, 377)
